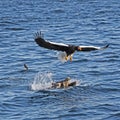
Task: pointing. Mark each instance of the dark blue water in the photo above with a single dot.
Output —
(23, 94)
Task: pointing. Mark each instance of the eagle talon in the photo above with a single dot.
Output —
(66, 58)
(71, 58)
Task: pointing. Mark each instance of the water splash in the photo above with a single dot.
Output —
(61, 56)
(42, 81)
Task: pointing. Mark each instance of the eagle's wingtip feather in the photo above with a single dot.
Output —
(107, 45)
(38, 35)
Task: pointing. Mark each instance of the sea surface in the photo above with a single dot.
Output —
(26, 94)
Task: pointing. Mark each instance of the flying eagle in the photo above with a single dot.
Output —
(67, 49)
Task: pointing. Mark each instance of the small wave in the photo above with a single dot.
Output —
(15, 29)
(57, 11)
(42, 81)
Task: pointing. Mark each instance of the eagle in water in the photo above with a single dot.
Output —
(68, 50)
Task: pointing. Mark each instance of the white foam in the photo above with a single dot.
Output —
(42, 81)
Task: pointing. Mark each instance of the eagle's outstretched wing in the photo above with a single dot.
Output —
(69, 49)
(91, 48)
(50, 45)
